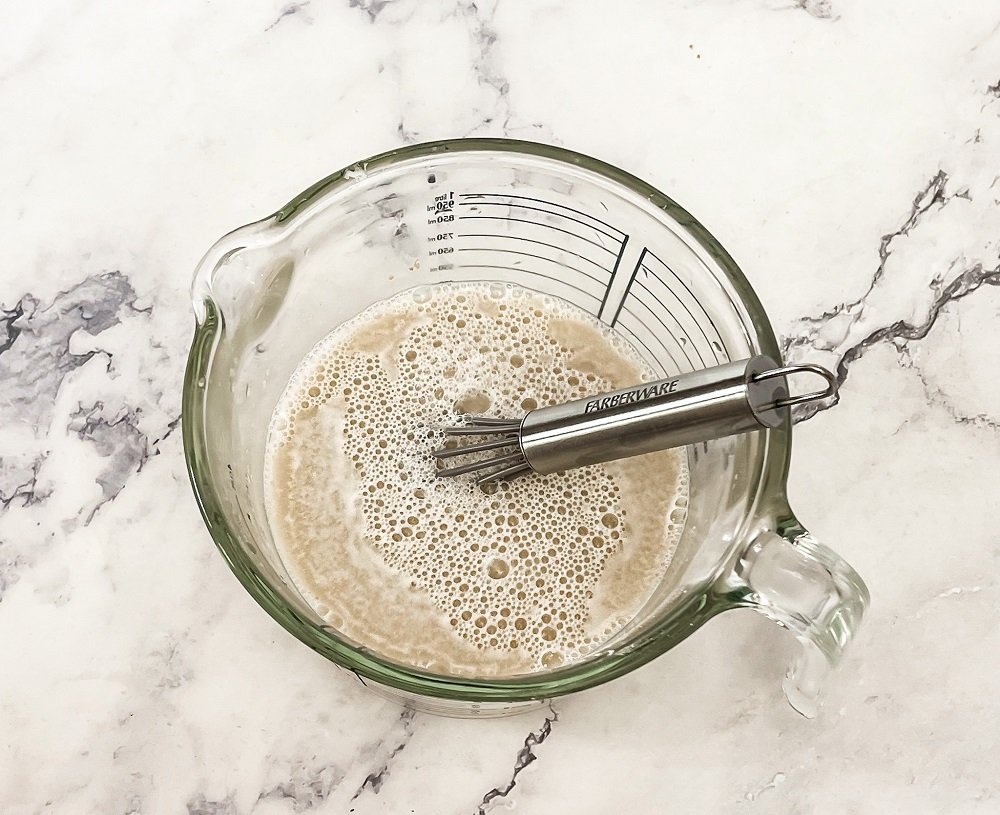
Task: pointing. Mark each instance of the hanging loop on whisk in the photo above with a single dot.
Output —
(830, 390)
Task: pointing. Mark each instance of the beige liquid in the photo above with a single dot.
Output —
(437, 573)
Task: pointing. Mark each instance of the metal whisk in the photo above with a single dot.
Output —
(737, 397)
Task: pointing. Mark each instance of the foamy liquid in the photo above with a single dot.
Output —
(437, 573)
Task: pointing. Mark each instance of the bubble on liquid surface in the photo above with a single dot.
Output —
(498, 568)
(473, 401)
(538, 569)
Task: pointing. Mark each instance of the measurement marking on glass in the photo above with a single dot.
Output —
(653, 359)
(632, 316)
(666, 328)
(539, 243)
(537, 209)
(481, 195)
(680, 328)
(539, 257)
(530, 255)
(522, 270)
(614, 271)
(533, 223)
(658, 298)
(718, 345)
(618, 289)
(441, 218)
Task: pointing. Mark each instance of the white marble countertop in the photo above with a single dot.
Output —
(846, 153)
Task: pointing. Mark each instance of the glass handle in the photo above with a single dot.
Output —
(810, 590)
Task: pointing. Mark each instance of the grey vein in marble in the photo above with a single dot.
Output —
(374, 780)
(492, 108)
(939, 397)
(118, 440)
(201, 806)
(932, 194)
(293, 9)
(820, 9)
(306, 789)
(370, 7)
(484, 63)
(9, 327)
(10, 566)
(35, 358)
(525, 757)
(36, 349)
(964, 284)
(67, 377)
(844, 331)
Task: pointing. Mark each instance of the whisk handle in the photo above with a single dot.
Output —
(736, 397)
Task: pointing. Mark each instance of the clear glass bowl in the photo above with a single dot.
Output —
(559, 223)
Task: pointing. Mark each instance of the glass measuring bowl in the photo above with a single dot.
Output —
(559, 223)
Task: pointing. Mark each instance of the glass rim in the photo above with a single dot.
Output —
(602, 666)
